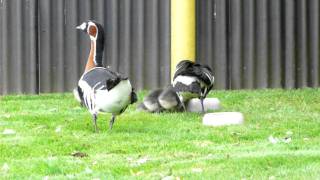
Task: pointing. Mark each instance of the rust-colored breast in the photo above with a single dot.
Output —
(90, 63)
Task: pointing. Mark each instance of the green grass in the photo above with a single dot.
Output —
(153, 146)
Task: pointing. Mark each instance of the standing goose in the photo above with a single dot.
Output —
(100, 89)
(192, 81)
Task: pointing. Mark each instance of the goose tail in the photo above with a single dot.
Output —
(134, 97)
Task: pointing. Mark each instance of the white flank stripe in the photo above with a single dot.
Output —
(210, 77)
(187, 80)
(88, 96)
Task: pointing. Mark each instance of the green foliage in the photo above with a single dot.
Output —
(38, 135)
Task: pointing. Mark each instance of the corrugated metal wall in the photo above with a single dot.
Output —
(260, 44)
(137, 40)
(249, 44)
(18, 52)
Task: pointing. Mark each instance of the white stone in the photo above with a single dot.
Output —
(142, 160)
(5, 168)
(58, 129)
(273, 140)
(222, 118)
(88, 170)
(194, 105)
(197, 170)
(9, 132)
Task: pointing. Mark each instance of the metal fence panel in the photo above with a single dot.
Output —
(260, 44)
(249, 44)
(313, 38)
(134, 41)
(248, 36)
(18, 46)
(275, 47)
(1, 48)
(212, 38)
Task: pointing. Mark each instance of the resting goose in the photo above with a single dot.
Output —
(169, 99)
(150, 102)
(159, 100)
(192, 80)
(99, 88)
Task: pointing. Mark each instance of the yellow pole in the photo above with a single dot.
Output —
(183, 32)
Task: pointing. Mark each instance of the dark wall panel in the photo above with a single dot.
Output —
(249, 44)
(235, 46)
(212, 38)
(164, 42)
(275, 44)
(260, 44)
(301, 26)
(248, 34)
(134, 41)
(2, 45)
(290, 44)
(18, 50)
(313, 39)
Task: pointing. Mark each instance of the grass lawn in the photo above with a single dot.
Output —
(38, 134)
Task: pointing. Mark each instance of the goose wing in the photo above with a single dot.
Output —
(189, 68)
(101, 78)
(183, 68)
(203, 73)
(98, 78)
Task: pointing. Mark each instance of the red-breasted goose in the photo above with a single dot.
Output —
(192, 80)
(99, 88)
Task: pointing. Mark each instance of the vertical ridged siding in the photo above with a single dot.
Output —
(137, 36)
(18, 52)
(41, 35)
(249, 44)
(260, 44)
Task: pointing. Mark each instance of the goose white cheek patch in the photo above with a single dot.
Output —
(82, 26)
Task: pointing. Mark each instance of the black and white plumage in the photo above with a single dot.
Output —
(100, 89)
(192, 80)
